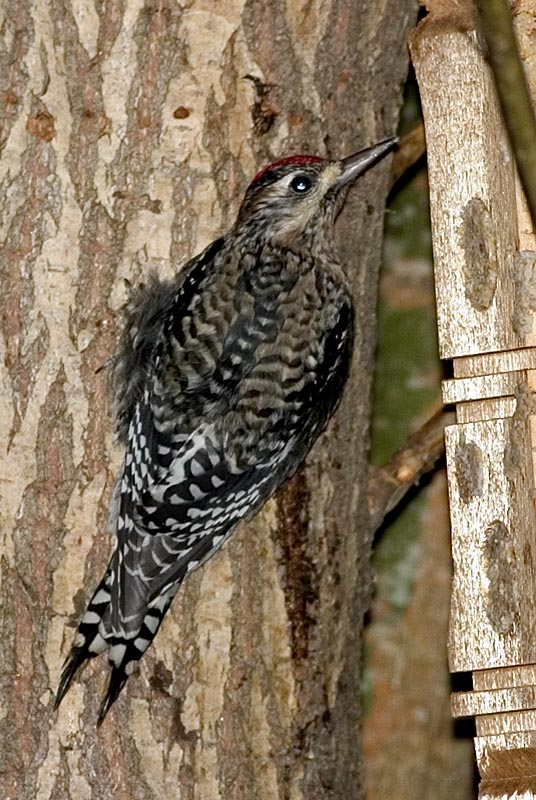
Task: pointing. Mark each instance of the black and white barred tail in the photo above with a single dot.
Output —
(94, 636)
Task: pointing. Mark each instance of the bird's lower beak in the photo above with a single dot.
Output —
(356, 165)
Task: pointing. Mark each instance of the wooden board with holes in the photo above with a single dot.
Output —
(491, 489)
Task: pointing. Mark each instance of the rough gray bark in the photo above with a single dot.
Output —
(128, 136)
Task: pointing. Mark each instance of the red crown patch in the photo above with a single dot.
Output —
(289, 160)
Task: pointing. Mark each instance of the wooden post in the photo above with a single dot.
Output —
(485, 299)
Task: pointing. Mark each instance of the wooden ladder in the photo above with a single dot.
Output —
(485, 275)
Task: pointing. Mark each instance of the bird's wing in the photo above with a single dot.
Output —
(144, 317)
(201, 457)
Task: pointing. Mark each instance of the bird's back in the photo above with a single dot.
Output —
(249, 369)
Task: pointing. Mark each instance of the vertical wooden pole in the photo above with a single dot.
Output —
(484, 287)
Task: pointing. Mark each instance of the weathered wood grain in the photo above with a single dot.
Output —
(484, 255)
(472, 196)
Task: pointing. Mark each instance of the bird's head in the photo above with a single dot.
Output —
(299, 195)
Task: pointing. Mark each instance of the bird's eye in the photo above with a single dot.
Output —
(301, 184)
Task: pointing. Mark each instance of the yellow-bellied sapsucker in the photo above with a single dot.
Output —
(223, 378)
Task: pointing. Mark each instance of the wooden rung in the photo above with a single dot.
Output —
(509, 722)
(459, 390)
(493, 701)
(505, 789)
(504, 677)
(480, 410)
(493, 363)
(508, 754)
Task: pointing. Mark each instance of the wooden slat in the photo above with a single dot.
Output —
(494, 701)
(491, 489)
(516, 750)
(473, 216)
(484, 386)
(479, 410)
(504, 678)
(512, 722)
(492, 363)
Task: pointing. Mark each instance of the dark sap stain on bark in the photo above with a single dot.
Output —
(292, 508)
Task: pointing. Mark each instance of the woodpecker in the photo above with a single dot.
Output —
(223, 379)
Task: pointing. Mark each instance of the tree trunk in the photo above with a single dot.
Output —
(129, 135)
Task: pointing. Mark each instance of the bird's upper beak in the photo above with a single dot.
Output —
(358, 163)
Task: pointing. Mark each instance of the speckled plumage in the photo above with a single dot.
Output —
(223, 379)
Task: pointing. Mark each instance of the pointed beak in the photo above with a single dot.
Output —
(356, 165)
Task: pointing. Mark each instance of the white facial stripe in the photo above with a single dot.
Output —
(329, 176)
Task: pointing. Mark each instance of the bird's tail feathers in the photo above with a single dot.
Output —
(95, 635)
(90, 641)
(125, 652)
